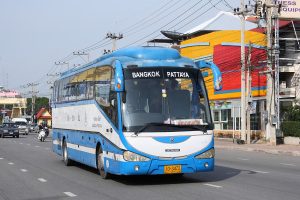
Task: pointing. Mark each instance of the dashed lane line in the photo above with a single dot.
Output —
(24, 170)
(262, 172)
(70, 194)
(288, 164)
(11, 163)
(1, 158)
(213, 185)
(42, 180)
(37, 146)
(243, 158)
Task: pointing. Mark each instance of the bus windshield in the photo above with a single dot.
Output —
(174, 98)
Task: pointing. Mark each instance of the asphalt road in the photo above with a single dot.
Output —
(30, 170)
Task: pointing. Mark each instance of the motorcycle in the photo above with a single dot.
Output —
(43, 134)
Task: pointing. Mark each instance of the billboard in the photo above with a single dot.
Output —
(290, 9)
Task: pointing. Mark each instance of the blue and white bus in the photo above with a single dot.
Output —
(141, 110)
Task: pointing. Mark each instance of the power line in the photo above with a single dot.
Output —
(150, 16)
(166, 14)
(157, 30)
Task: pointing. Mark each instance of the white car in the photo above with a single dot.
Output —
(22, 125)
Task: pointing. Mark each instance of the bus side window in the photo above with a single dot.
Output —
(90, 90)
(113, 109)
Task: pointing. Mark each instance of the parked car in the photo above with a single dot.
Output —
(9, 129)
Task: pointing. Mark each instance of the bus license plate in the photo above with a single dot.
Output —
(172, 169)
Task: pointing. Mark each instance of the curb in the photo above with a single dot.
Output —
(270, 151)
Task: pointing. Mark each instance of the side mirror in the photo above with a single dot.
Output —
(119, 78)
(113, 102)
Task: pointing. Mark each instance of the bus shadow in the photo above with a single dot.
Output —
(219, 174)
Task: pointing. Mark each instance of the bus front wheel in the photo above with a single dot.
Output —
(66, 159)
(100, 164)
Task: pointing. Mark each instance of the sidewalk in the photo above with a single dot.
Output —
(293, 150)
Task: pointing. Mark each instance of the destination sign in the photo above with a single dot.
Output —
(153, 74)
(148, 73)
(177, 75)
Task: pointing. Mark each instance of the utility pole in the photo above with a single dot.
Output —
(272, 99)
(249, 93)
(114, 37)
(242, 12)
(33, 93)
(276, 59)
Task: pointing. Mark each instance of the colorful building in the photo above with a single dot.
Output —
(212, 42)
(44, 117)
(11, 104)
(223, 49)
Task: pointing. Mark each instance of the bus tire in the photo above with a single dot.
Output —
(100, 164)
(66, 159)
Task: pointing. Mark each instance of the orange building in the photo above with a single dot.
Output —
(212, 43)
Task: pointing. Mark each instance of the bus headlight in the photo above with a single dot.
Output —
(133, 157)
(207, 154)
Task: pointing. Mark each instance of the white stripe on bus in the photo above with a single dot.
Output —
(106, 154)
(81, 148)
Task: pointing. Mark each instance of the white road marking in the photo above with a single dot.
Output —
(1, 158)
(212, 185)
(24, 170)
(70, 194)
(20, 143)
(28, 144)
(11, 163)
(288, 164)
(42, 180)
(47, 148)
(243, 158)
(37, 146)
(262, 172)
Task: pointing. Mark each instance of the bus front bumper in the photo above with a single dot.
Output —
(156, 167)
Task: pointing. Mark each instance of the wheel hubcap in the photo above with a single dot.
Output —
(65, 153)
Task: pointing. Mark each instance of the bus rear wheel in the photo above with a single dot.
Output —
(66, 159)
(100, 164)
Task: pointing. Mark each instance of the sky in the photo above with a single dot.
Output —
(34, 34)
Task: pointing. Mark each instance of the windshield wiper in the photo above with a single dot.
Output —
(147, 126)
(202, 128)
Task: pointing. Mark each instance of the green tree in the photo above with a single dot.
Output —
(292, 113)
(40, 102)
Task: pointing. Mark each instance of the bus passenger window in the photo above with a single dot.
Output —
(102, 94)
(90, 90)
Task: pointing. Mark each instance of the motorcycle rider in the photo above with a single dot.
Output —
(43, 126)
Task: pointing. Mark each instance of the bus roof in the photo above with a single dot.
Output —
(140, 57)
